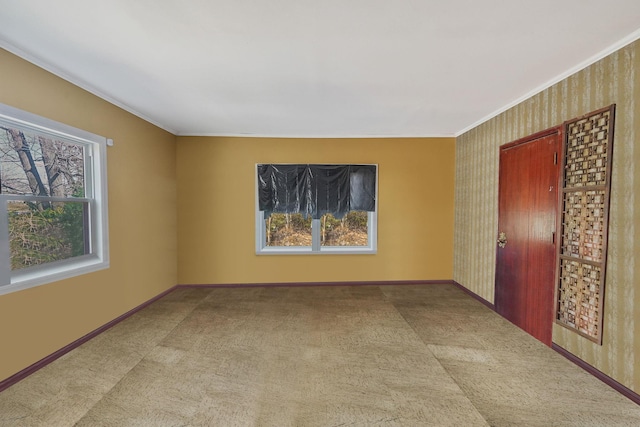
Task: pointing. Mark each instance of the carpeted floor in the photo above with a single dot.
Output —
(315, 356)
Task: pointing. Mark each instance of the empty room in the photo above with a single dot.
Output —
(288, 213)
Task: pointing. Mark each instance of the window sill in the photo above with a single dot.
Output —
(336, 250)
(53, 272)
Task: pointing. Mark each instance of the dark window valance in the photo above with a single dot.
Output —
(314, 190)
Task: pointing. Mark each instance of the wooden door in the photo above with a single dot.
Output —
(527, 215)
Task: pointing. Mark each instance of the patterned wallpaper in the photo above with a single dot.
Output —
(613, 79)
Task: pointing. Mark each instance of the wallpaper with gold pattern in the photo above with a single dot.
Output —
(613, 79)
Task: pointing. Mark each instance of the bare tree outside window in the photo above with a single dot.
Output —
(47, 228)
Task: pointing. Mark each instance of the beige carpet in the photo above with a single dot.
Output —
(323, 356)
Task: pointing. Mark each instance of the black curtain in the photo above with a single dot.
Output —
(314, 190)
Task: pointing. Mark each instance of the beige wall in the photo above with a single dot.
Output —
(216, 205)
(149, 183)
(142, 221)
(611, 80)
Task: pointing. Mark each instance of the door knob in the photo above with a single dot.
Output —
(502, 239)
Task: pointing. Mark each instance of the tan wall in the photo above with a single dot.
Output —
(142, 221)
(612, 80)
(216, 210)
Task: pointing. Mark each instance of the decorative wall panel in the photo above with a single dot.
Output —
(579, 298)
(582, 233)
(585, 207)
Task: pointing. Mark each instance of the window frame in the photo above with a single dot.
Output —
(96, 188)
(316, 248)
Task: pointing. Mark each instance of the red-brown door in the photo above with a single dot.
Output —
(526, 251)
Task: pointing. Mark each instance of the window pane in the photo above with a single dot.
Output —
(39, 165)
(351, 230)
(288, 230)
(41, 232)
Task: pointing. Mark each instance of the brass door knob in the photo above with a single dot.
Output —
(502, 239)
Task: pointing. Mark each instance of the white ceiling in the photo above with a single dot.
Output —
(316, 68)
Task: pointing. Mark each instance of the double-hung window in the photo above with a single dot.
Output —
(53, 201)
(316, 208)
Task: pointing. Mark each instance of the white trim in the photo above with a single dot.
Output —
(318, 136)
(90, 88)
(100, 225)
(295, 250)
(5, 252)
(52, 273)
(581, 66)
(315, 248)
(96, 189)
(30, 198)
(316, 236)
(42, 124)
(80, 83)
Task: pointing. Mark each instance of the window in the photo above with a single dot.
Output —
(53, 201)
(303, 208)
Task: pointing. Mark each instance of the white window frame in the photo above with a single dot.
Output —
(315, 248)
(96, 197)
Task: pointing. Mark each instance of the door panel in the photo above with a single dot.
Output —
(528, 200)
